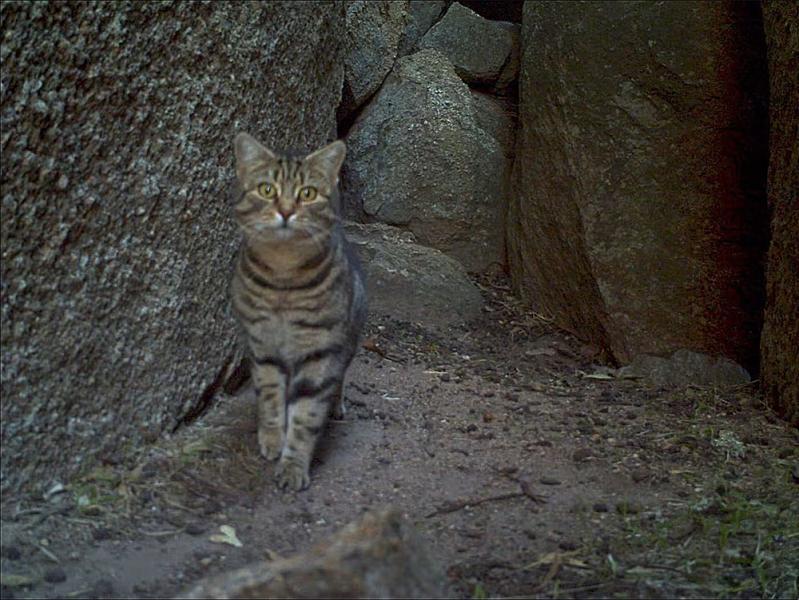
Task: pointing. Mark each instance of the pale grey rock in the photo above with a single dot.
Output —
(476, 47)
(422, 14)
(419, 159)
(379, 556)
(373, 34)
(412, 282)
(685, 367)
(497, 116)
(118, 122)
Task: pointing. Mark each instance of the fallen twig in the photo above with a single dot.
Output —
(451, 506)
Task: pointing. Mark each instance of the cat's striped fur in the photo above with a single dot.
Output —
(298, 292)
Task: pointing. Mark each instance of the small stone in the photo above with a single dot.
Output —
(103, 589)
(640, 475)
(549, 481)
(625, 507)
(567, 546)
(582, 454)
(544, 443)
(471, 427)
(195, 529)
(10, 552)
(55, 575)
(101, 533)
(600, 507)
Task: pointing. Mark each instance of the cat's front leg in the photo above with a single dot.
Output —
(270, 391)
(310, 399)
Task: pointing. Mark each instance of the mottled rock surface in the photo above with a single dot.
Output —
(686, 368)
(412, 282)
(476, 47)
(780, 339)
(373, 34)
(422, 14)
(378, 556)
(637, 219)
(418, 158)
(497, 116)
(117, 239)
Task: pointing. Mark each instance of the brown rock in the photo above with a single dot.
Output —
(379, 556)
(638, 203)
(779, 343)
(117, 238)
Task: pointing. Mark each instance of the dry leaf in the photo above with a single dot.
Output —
(228, 536)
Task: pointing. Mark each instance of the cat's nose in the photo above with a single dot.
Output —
(286, 214)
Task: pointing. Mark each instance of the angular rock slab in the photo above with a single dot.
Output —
(412, 282)
(117, 235)
(379, 556)
(686, 368)
(779, 342)
(418, 159)
(373, 34)
(637, 219)
(476, 47)
(422, 14)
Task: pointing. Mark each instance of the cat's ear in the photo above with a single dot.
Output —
(249, 150)
(328, 159)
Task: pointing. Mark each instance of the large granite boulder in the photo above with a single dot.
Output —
(373, 34)
(476, 47)
(780, 339)
(117, 239)
(379, 556)
(422, 14)
(418, 158)
(638, 215)
(412, 282)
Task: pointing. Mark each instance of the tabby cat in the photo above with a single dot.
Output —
(298, 292)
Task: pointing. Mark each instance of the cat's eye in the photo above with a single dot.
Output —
(267, 190)
(308, 193)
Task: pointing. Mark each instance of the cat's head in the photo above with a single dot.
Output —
(286, 196)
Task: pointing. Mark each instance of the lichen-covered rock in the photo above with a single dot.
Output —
(637, 219)
(476, 47)
(412, 282)
(373, 34)
(422, 14)
(117, 239)
(379, 556)
(418, 158)
(780, 338)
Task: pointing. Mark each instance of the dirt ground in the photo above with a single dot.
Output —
(528, 468)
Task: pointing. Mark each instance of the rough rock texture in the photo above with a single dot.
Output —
(379, 556)
(412, 282)
(637, 219)
(372, 38)
(780, 338)
(509, 74)
(497, 116)
(117, 239)
(422, 14)
(418, 158)
(686, 368)
(476, 47)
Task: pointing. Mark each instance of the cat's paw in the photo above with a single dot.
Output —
(270, 443)
(292, 476)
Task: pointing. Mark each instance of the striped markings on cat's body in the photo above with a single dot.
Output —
(298, 293)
